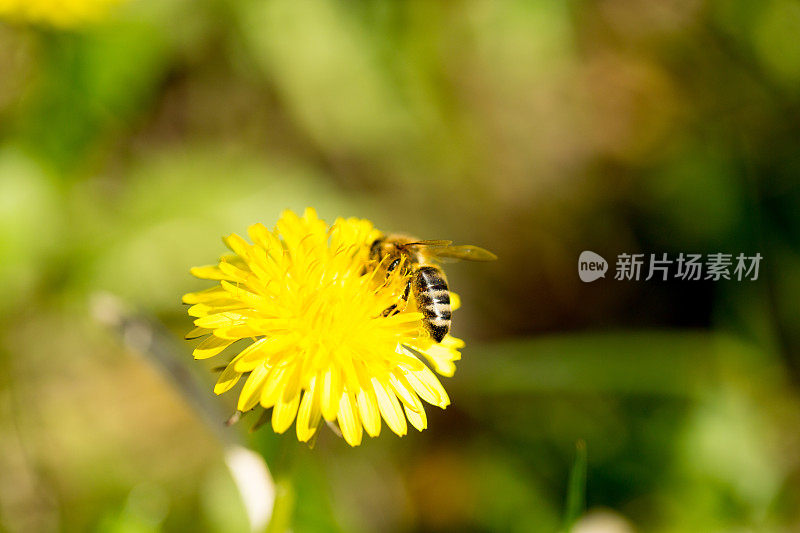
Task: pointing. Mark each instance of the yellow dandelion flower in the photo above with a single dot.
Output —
(59, 13)
(321, 346)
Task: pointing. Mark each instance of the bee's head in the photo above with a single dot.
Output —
(376, 249)
(391, 246)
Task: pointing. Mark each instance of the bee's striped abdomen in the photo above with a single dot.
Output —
(433, 299)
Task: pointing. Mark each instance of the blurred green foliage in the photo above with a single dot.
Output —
(537, 129)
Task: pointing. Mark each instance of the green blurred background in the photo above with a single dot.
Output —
(538, 129)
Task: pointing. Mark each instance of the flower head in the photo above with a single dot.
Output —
(312, 303)
(60, 13)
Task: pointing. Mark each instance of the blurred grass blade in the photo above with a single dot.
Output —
(576, 490)
(283, 508)
(150, 339)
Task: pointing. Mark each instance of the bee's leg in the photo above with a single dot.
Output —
(375, 255)
(395, 308)
(392, 266)
(389, 269)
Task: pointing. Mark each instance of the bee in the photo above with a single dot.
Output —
(417, 259)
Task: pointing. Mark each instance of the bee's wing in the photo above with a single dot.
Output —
(464, 252)
(430, 243)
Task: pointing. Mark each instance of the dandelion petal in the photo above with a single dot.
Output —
(283, 414)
